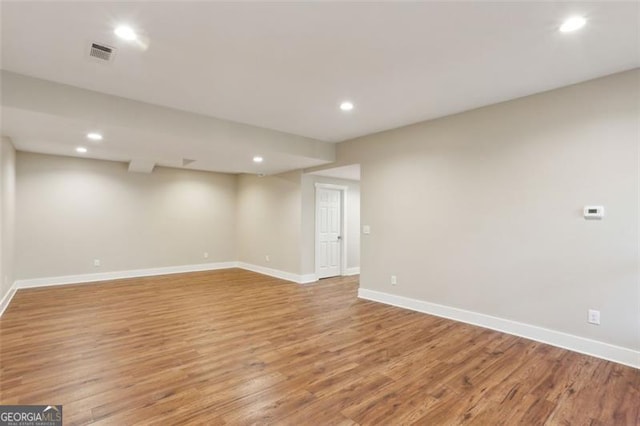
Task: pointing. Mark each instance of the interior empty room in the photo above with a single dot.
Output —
(320, 213)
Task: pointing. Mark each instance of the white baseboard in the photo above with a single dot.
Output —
(105, 276)
(351, 271)
(276, 273)
(6, 299)
(571, 342)
(307, 279)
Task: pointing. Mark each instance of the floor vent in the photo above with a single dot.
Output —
(101, 52)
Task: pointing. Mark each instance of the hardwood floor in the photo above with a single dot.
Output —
(235, 347)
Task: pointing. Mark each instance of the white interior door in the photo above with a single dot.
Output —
(328, 232)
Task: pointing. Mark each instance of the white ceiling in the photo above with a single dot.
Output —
(52, 118)
(286, 65)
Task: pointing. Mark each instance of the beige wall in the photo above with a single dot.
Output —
(99, 210)
(308, 220)
(269, 221)
(71, 211)
(482, 210)
(7, 214)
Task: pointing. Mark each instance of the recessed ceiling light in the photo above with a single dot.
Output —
(126, 33)
(257, 159)
(94, 136)
(572, 24)
(346, 106)
(81, 149)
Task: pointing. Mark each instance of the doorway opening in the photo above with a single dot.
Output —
(337, 221)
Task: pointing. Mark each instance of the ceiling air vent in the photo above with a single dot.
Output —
(102, 52)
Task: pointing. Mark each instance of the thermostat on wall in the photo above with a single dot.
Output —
(593, 212)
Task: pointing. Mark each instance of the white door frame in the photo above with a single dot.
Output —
(343, 226)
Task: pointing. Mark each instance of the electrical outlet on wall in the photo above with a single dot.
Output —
(594, 317)
(96, 262)
(394, 280)
(205, 255)
(267, 258)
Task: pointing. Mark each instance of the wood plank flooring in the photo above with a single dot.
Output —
(235, 347)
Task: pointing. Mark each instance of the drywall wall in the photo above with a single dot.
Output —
(269, 221)
(71, 211)
(482, 210)
(276, 218)
(308, 221)
(7, 214)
